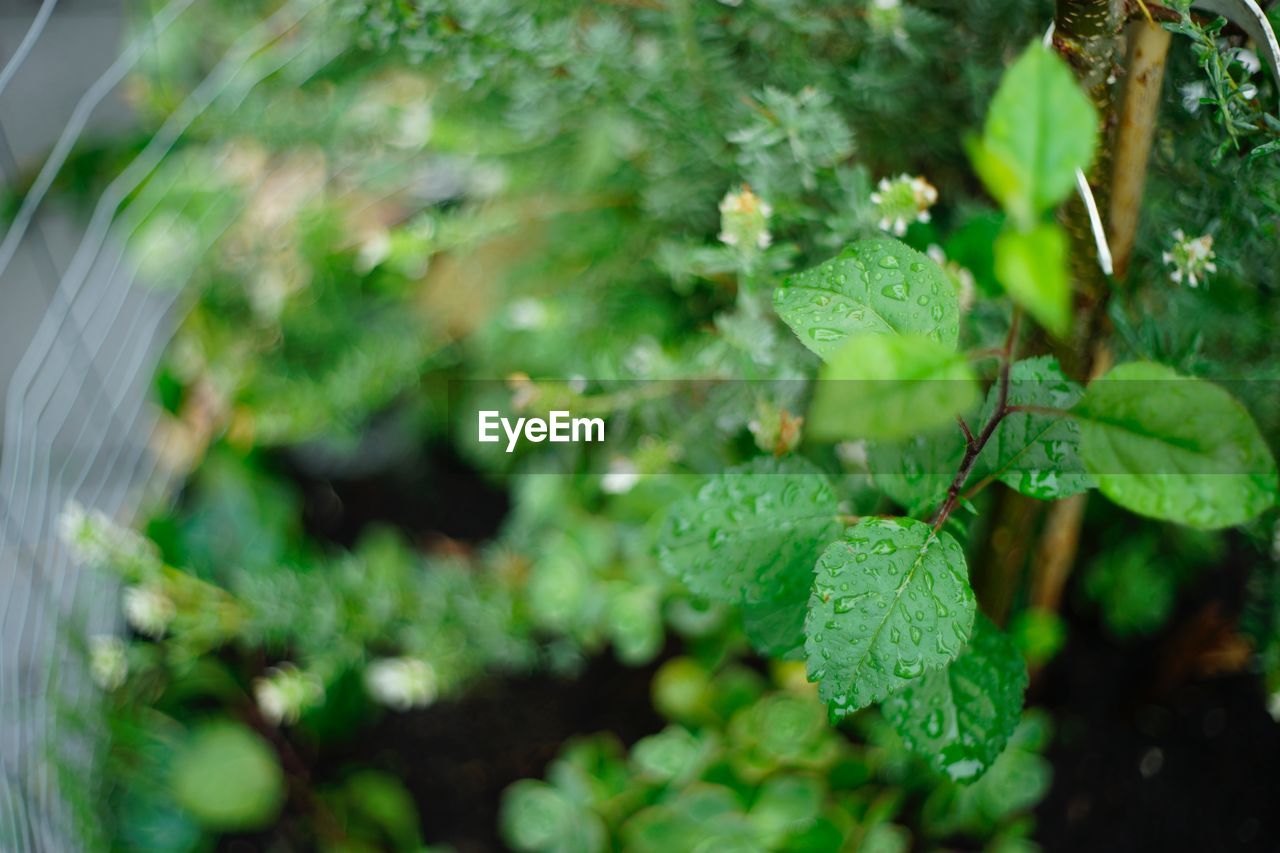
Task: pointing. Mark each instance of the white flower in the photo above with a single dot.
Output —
(285, 692)
(853, 454)
(148, 610)
(886, 17)
(744, 220)
(1192, 259)
(96, 541)
(621, 477)
(1248, 59)
(526, 314)
(960, 276)
(108, 666)
(903, 200)
(413, 129)
(375, 249)
(1273, 706)
(401, 683)
(1192, 93)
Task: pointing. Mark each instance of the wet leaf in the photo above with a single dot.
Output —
(1040, 128)
(960, 718)
(877, 286)
(752, 533)
(1037, 454)
(891, 601)
(1175, 448)
(890, 387)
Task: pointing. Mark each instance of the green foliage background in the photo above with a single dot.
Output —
(454, 190)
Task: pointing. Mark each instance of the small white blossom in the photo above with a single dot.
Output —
(1248, 59)
(960, 276)
(887, 18)
(1191, 259)
(96, 541)
(413, 129)
(402, 683)
(621, 477)
(1192, 94)
(853, 454)
(1273, 706)
(903, 200)
(375, 249)
(744, 220)
(148, 610)
(108, 666)
(526, 313)
(285, 692)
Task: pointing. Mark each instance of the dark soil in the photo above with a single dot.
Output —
(457, 757)
(1153, 750)
(430, 494)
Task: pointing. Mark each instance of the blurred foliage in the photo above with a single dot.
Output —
(439, 204)
(749, 763)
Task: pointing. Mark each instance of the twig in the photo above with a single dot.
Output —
(975, 445)
(969, 440)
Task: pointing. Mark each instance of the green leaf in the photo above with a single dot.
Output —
(891, 601)
(879, 286)
(1037, 454)
(228, 778)
(1032, 266)
(1175, 448)
(1040, 128)
(538, 817)
(785, 805)
(916, 472)
(960, 718)
(753, 532)
(775, 628)
(890, 386)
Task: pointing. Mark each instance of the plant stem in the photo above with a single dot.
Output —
(974, 446)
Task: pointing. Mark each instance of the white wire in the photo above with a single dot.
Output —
(28, 41)
(75, 125)
(151, 337)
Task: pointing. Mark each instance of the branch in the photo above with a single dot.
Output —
(974, 446)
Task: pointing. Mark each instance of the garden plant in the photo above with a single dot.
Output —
(937, 364)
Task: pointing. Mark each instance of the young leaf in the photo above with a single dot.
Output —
(1032, 267)
(1040, 128)
(960, 718)
(1037, 454)
(1175, 448)
(890, 602)
(879, 286)
(890, 386)
(753, 532)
